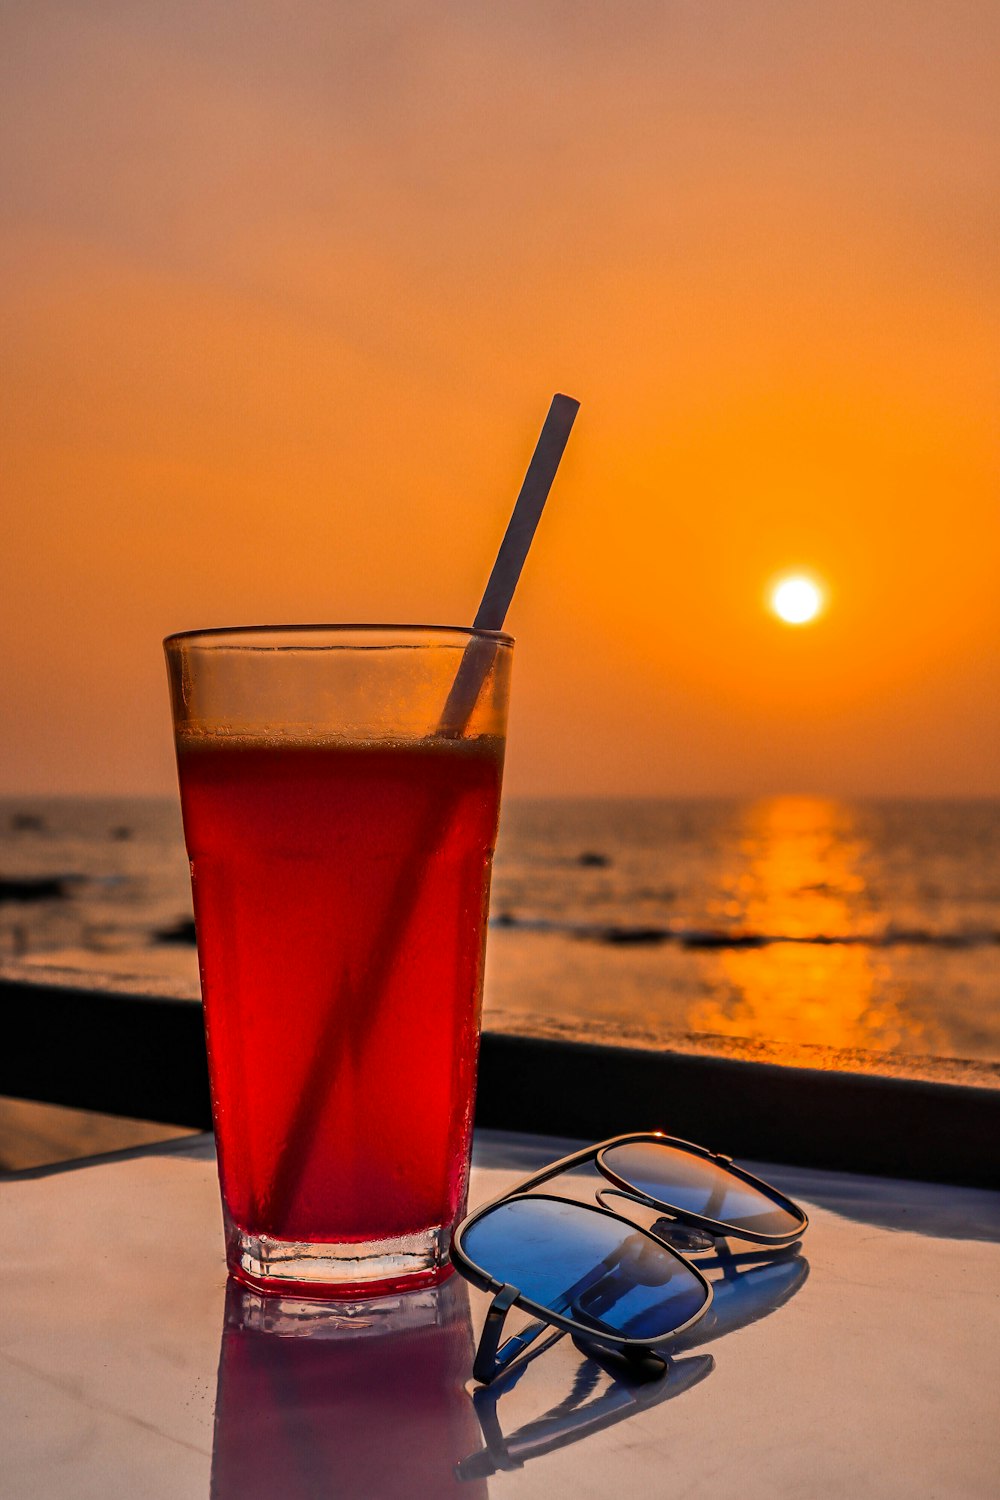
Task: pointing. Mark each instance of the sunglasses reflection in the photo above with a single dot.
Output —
(332, 1399)
(605, 1389)
(747, 1286)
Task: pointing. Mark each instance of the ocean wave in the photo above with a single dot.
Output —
(624, 936)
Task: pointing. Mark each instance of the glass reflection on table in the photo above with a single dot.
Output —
(361, 1399)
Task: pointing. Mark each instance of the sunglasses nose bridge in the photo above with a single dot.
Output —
(681, 1237)
(617, 1198)
(623, 1187)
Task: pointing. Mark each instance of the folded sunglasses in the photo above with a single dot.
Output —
(588, 1270)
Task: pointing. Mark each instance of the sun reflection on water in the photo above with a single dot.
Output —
(803, 872)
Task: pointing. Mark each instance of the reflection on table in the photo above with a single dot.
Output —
(361, 1399)
(370, 1398)
(601, 1393)
(604, 1390)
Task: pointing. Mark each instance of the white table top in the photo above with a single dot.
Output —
(875, 1376)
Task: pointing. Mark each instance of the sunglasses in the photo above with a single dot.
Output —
(589, 1270)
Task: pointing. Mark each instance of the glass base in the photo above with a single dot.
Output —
(338, 1270)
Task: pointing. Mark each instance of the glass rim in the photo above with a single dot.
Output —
(245, 636)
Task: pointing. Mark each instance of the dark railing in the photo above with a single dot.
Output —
(144, 1057)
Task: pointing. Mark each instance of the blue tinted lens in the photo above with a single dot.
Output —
(695, 1185)
(585, 1265)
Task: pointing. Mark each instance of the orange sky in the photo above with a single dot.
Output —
(286, 291)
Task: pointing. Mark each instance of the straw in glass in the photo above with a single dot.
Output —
(341, 1034)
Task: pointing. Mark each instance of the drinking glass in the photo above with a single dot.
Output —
(340, 791)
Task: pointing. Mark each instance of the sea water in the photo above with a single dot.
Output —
(802, 928)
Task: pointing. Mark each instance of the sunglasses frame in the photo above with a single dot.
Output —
(492, 1358)
(718, 1228)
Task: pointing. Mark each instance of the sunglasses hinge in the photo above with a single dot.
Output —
(485, 1366)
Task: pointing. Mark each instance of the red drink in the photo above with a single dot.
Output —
(340, 898)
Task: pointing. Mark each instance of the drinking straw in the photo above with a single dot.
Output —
(510, 560)
(473, 669)
(527, 512)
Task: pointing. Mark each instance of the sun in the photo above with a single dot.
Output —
(796, 599)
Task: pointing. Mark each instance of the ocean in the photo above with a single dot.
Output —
(799, 929)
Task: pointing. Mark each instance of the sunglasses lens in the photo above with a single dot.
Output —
(679, 1179)
(585, 1265)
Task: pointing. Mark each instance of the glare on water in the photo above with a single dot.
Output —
(797, 872)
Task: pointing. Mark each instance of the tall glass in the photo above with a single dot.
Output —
(340, 789)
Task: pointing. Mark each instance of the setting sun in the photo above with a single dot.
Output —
(796, 600)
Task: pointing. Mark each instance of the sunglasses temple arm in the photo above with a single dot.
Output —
(492, 1357)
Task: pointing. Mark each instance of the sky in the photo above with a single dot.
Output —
(287, 287)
